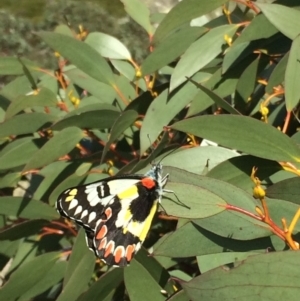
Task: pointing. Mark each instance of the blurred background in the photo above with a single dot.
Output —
(19, 20)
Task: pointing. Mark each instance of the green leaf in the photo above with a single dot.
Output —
(44, 98)
(28, 75)
(235, 225)
(156, 271)
(22, 229)
(182, 13)
(259, 277)
(197, 56)
(104, 288)
(211, 261)
(12, 66)
(225, 84)
(127, 69)
(104, 92)
(207, 158)
(237, 171)
(108, 46)
(125, 120)
(55, 274)
(97, 116)
(220, 102)
(9, 248)
(140, 13)
(285, 19)
(126, 91)
(292, 76)
(15, 88)
(199, 104)
(201, 242)
(235, 54)
(25, 124)
(170, 49)
(277, 76)
(247, 83)
(202, 202)
(272, 145)
(179, 296)
(61, 144)
(163, 109)
(53, 174)
(26, 208)
(10, 179)
(23, 280)
(80, 54)
(79, 249)
(288, 190)
(259, 28)
(213, 197)
(79, 270)
(136, 285)
(282, 209)
(18, 151)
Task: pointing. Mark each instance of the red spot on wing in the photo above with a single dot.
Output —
(102, 232)
(129, 252)
(119, 253)
(108, 213)
(148, 183)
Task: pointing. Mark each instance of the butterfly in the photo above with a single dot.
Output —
(115, 212)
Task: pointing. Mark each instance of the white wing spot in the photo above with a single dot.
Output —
(119, 185)
(84, 213)
(102, 190)
(92, 197)
(95, 201)
(137, 247)
(92, 216)
(78, 210)
(73, 204)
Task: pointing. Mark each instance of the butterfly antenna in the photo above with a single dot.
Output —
(177, 198)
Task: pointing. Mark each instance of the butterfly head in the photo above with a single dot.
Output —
(156, 174)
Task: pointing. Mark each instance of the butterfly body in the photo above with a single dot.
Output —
(116, 212)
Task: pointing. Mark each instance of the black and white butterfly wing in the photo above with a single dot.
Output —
(85, 204)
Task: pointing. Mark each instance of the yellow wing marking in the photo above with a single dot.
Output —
(147, 222)
(71, 195)
(140, 229)
(128, 193)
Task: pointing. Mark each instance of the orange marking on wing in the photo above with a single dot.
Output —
(108, 213)
(109, 248)
(119, 253)
(102, 243)
(102, 232)
(148, 183)
(129, 252)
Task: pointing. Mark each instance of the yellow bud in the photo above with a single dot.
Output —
(228, 39)
(258, 192)
(264, 111)
(110, 163)
(138, 73)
